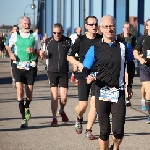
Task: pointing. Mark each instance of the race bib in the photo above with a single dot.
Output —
(109, 94)
(23, 65)
(147, 53)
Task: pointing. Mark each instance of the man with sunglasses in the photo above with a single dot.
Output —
(24, 58)
(109, 55)
(58, 68)
(81, 46)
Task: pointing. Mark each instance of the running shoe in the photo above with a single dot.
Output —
(89, 135)
(54, 123)
(128, 103)
(27, 113)
(148, 120)
(24, 124)
(64, 116)
(72, 78)
(78, 126)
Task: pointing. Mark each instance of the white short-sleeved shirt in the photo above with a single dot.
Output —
(13, 39)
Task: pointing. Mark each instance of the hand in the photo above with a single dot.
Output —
(80, 66)
(130, 93)
(90, 79)
(30, 50)
(12, 57)
(142, 61)
(42, 55)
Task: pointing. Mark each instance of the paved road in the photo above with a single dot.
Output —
(40, 136)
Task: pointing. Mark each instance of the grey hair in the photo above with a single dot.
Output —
(147, 22)
(108, 16)
(24, 17)
(58, 25)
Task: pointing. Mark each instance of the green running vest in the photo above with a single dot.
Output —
(21, 46)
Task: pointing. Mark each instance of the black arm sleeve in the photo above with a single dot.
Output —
(139, 44)
(75, 47)
(131, 72)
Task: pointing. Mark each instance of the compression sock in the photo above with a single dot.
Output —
(22, 108)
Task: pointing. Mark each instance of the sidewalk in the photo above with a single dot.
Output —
(40, 136)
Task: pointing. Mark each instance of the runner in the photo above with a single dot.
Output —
(2, 46)
(14, 29)
(73, 37)
(144, 44)
(58, 47)
(24, 65)
(109, 55)
(127, 37)
(81, 47)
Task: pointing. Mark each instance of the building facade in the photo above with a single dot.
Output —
(71, 13)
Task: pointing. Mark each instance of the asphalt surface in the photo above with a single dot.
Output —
(40, 136)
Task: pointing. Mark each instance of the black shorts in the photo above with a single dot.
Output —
(84, 89)
(25, 76)
(144, 73)
(57, 78)
(118, 111)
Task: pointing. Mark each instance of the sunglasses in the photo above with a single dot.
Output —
(57, 33)
(109, 27)
(92, 24)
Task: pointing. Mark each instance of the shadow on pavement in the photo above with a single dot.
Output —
(5, 80)
(38, 117)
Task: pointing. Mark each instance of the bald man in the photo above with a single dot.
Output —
(109, 55)
(24, 64)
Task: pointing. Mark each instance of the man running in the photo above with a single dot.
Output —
(24, 65)
(57, 49)
(144, 45)
(127, 37)
(81, 47)
(109, 55)
(14, 29)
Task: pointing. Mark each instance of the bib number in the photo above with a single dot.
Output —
(109, 94)
(23, 65)
(147, 53)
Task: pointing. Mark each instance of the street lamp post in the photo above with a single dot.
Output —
(32, 6)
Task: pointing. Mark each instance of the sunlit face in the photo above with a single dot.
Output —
(78, 31)
(25, 24)
(91, 25)
(126, 28)
(148, 26)
(108, 27)
(57, 33)
(14, 29)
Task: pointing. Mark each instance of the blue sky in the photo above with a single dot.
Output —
(12, 10)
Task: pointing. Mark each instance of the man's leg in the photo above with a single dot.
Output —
(128, 103)
(147, 96)
(19, 76)
(103, 109)
(62, 102)
(118, 120)
(54, 101)
(29, 91)
(54, 81)
(91, 119)
(143, 91)
(12, 74)
(91, 114)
